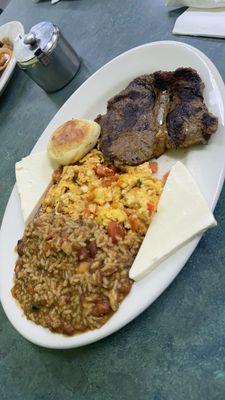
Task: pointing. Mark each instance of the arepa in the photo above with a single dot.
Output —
(73, 140)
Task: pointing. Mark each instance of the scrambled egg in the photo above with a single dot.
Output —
(93, 188)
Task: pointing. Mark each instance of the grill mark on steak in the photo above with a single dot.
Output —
(156, 112)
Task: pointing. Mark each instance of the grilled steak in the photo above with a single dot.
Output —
(156, 112)
(129, 129)
(188, 121)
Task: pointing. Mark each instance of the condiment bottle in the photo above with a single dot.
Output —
(46, 56)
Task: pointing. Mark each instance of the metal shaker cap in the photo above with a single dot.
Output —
(42, 36)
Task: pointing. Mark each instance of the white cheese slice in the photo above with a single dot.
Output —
(182, 214)
(33, 176)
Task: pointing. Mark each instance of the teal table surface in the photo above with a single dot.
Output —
(176, 348)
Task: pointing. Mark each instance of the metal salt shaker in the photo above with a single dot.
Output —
(46, 56)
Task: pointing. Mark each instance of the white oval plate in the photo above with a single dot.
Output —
(207, 164)
(11, 30)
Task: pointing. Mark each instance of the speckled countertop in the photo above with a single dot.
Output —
(175, 349)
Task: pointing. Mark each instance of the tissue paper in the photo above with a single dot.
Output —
(196, 3)
(199, 22)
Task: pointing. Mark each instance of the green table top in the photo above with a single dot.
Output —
(176, 348)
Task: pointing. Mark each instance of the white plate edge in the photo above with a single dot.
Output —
(216, 73)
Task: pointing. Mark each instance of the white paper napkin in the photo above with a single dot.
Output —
(52, 1)
(201, 22)
(196, 3)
